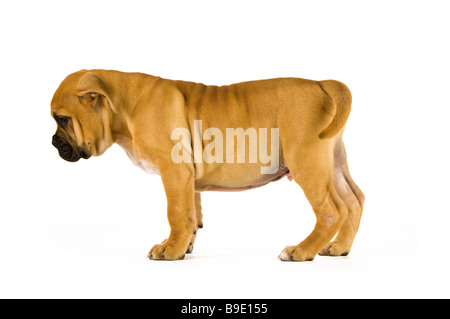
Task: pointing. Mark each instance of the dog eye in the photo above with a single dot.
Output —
(62, 120)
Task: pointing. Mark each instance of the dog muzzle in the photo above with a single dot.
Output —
(67, 152)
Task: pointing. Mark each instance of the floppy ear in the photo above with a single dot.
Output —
(90, 87)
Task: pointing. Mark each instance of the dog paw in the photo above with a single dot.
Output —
(335, 249)
(296, 253)
(166, 251)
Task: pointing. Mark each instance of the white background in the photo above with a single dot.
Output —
(83, 230)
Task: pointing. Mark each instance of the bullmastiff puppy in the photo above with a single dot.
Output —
(200, 138)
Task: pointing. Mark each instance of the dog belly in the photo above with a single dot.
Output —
(217, 182)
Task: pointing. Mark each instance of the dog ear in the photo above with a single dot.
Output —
(90, 88)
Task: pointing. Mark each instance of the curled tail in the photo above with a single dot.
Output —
(342, 98)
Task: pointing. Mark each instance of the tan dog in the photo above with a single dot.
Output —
(148, 116)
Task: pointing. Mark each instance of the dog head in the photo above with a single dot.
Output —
(83, 109)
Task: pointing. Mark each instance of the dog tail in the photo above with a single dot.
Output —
(342, 98)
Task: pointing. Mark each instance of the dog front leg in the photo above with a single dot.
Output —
(179, 188)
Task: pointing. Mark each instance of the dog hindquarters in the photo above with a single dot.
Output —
(341, 98)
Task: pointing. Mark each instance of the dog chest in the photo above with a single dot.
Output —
(149, 168)
(146, 166)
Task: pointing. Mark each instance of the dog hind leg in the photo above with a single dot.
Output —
(354, 200)
(316, 177)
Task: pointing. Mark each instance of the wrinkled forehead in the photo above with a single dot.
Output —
(65, 96)
(64, 104)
